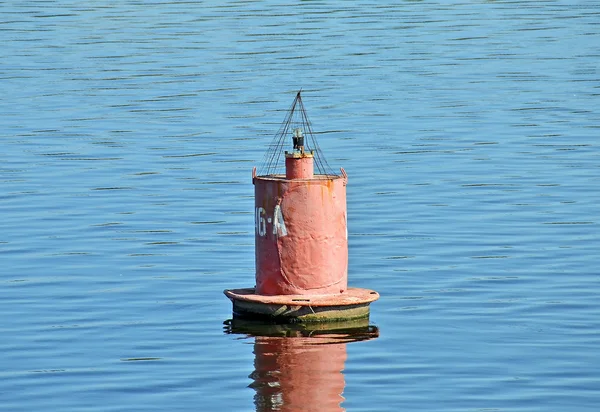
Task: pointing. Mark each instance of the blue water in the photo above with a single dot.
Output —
(469, 131)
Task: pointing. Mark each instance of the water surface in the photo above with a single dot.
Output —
(469, 133)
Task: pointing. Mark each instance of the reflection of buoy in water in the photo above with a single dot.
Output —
(299, 367)
(301, 235)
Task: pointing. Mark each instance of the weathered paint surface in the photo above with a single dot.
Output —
(301, 235)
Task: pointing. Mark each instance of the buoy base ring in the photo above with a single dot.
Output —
(352, 304)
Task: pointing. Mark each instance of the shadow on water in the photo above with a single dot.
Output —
(300, 366)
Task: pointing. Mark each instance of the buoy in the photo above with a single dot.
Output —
(301, 236)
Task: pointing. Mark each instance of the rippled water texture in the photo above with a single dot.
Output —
(469, 131)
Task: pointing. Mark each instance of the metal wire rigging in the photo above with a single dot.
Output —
(274, 160)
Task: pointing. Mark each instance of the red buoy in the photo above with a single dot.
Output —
(301, 236)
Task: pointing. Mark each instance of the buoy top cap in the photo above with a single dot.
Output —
(299, 155)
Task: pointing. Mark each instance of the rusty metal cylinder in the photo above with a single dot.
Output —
(299, 166)
(301, 236)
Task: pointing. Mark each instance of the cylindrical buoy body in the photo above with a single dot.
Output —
(299, 166)
(301, 236)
